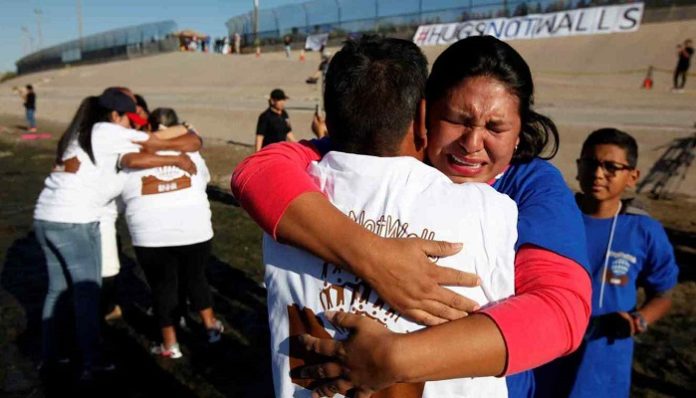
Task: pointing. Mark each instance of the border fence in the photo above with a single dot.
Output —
(341, 18)
(120, 43)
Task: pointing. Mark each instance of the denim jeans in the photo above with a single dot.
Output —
(31, 120)
(73, 258)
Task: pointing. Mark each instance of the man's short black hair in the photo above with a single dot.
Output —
(373, 88)
(29, 87)
(612, 136)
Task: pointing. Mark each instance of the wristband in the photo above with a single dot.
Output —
(639, 321)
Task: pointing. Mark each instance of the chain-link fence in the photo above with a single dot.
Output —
(121, 43)
(340, 18)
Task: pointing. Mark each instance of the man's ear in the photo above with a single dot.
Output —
(114, 117)
(633, 178)
(420, 128)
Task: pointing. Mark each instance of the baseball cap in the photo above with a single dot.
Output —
(115, 99)
(136, 119)
(278, 95)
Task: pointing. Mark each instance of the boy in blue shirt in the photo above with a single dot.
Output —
(627, 249)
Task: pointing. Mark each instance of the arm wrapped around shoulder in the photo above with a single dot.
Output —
(266, 182)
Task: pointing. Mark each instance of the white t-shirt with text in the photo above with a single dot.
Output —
(166, 206)
(78, 190)
(392, 197)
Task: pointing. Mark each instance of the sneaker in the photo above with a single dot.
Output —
(215, 333)
(173, 352)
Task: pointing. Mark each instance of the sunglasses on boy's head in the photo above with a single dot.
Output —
(590, 164)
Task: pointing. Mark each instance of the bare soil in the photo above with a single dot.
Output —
(238, 366)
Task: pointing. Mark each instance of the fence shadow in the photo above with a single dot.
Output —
(684, 244)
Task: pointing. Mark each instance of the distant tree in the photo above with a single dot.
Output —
(521, 10)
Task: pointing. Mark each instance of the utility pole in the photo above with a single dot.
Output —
(420, 12)
(38, 13)
(256, 21)
(27, 41)
(79, 21)
(338, 9)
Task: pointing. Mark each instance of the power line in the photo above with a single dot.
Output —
(38, 13)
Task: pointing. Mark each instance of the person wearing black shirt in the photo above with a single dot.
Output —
(684, 53)
(30, 108)
(273, 125)
(287, 43)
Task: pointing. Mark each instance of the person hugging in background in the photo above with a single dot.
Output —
(169, 220)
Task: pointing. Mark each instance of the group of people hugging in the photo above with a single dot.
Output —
(425, 248)
(117, 157)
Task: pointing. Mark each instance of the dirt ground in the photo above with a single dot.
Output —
(239, 365)
(583, 83)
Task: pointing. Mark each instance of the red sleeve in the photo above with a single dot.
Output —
(266, 182)
(549, 313)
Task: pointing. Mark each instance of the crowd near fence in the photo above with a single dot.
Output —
(343, 18)
(337, 18)
(123, 43)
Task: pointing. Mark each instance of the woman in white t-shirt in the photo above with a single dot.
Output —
(169, 220)
(66, 218)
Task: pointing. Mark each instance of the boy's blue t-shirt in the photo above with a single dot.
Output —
(641, 255)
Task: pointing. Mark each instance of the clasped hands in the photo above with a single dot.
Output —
(405, 277)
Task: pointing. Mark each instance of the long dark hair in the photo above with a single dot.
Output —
(80, 128)
(488, 56)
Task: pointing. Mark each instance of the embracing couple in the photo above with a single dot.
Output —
(419, 161)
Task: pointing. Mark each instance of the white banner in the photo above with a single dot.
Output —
(583, 21)
(316, 42)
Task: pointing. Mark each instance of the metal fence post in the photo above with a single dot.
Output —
(275, 16)
(420, 11)
(304, 7)
(338, 10)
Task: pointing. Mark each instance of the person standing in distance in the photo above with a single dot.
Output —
(29, 97)
(684, 54)
(287, 44)
(274, 124)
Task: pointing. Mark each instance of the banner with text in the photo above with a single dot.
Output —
(582, 21)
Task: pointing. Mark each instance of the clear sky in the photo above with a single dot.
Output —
(59, 19)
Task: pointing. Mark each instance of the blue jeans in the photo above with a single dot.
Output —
(31, 121)
(73, 259)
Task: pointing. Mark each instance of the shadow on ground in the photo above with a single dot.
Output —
(237, 366)
(685, 252)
